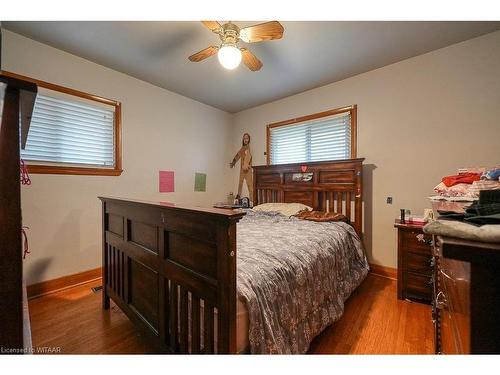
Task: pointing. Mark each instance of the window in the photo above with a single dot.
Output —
(329, 135)
(73, 133)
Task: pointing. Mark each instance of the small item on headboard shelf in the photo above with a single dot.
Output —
(327, 205)
(302, 177)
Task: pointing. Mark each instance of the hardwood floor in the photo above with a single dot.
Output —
(374, 322)
(73, 320)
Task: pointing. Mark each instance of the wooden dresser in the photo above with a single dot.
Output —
(415, 263)
(466, 298)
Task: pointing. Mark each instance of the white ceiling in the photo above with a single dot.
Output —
(311, 54)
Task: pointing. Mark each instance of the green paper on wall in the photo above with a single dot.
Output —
(200, 181)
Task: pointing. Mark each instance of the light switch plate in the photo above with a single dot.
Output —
(389, 200)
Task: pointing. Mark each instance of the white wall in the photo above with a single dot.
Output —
(161, 130)
(418, 120)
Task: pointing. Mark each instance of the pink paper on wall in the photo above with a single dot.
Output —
(166, 181)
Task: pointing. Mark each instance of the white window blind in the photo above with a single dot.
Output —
(326, 138)
(67, 131)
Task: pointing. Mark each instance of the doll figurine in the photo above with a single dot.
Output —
(245, 165)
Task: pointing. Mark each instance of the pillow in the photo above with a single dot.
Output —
(322, 216)
(287, 209)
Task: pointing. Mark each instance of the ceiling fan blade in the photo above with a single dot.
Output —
(249, 59)
(212, 25)
(204, 53)
(263, 31)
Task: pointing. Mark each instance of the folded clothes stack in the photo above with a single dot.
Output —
(468, 183)
(486, 210)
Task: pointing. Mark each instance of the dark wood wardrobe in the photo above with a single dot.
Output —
(17, 99)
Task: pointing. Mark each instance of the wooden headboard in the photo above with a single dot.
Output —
(339, 182)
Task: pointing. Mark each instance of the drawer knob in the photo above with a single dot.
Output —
(421, 238)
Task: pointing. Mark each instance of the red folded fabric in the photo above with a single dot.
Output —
(464, 178)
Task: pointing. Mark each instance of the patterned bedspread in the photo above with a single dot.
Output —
(294, 276)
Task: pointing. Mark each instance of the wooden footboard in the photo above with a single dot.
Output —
(172, 270)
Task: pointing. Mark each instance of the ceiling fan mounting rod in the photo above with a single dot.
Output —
(229, 34)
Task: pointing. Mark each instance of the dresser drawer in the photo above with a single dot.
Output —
(455, 282)
(418, 286)
(418, 263)
(416, 241)
(449, 345)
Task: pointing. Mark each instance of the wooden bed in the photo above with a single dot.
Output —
(172, 268)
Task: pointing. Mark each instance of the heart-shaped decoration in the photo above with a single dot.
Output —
(303, 168)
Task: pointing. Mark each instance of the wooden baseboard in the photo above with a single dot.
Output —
(389, 272)
(61, 283)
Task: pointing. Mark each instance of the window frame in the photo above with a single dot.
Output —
(352, 109)
(74, 170)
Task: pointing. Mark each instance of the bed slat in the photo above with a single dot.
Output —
(119, 254)
(339, 202)
(174, 325)
(195, 324)
(109, 275)
(208, 328)
(348, 205)
(166, 311)
(183, 337)
(113, 268)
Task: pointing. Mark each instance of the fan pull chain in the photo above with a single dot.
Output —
(25, 177)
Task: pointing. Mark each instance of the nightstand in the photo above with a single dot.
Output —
(415, 263)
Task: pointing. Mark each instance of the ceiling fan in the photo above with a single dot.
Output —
(229, 54)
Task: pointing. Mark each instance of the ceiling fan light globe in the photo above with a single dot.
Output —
(229, 57)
